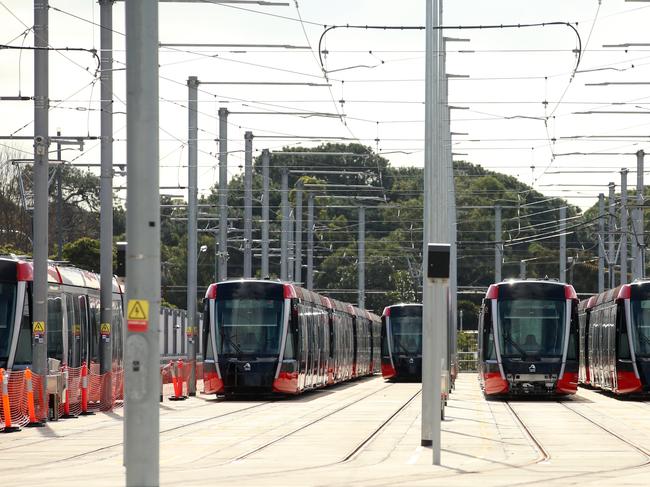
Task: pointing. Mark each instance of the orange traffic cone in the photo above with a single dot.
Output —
(84, 391)
(29, 387)
(6, 407)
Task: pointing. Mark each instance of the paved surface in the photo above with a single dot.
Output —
(366, 433)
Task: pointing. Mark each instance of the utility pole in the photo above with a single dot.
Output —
(41, 176)
(248, 205)
(639, 244)
(435, 231)
(223, 194)
(266, 155)
(284, 237)
(361, 300)
(192, 226)
(297, 274)
(142, 356)
(611, 244)
(290, 242)
(106, 201)
(498, 244)
(310, 241)
(563, 244)
(601, 243)
(59, 202)
(623, 243)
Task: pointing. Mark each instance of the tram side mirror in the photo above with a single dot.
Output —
(438, 261)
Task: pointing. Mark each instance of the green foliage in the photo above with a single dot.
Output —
(83, 253)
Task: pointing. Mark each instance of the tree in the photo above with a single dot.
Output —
(83, 253)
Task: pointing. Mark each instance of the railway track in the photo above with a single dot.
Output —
(305, 426)
(543, 454)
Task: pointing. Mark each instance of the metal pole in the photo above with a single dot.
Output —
(248, 204)
(223, 194)
(297, 274)
(59, 203)
(522, 269)
(192, 226)
(290, 243)
(461, 320)
(623, 244)
(266, 155)
(106, 202)
(611, 245)
(284, 237)
(498, 244)
(563, 244)
(142, 356)
(639, 227)
(361, 300)
(41, 171)
(310, 241)
(435, 230)
(601, 243)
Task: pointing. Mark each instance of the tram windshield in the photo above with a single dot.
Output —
(7, 313)
(531, 327)
(406, 328)
(249, 326)
(641, 326)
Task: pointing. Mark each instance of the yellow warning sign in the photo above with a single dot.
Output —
(138, 309)
(76, 330)
(137, 315)
(105, 328)
(38, 327)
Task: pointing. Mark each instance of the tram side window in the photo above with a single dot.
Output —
(93, 335)
(572, 351)
(384, 340)
(623, 345)
(207, 335)
(289, 347)
(54, 328)
(489, 351)
(24, 348)
(73, 342)
(83, 326)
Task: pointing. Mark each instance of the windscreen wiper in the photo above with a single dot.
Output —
(514, 344)
(227, 338)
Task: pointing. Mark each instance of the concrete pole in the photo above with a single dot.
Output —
(498, 244)
(601, 243)
(59, 202)
(623, 244)
(611, 243)
(41, 170)
(361, 300)
(223, 194)
(435, 230)
(106, 200)
(310, 241)
(248, 205)
(522, 269)
(290, 245)
(639, 262)
(192, 226)
(284, 237)
(142, 356)
(563, 244)
(266, 156)
(297, 273)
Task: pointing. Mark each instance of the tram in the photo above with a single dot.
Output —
(401, 342)
(73, 316)
(615, 339)
(528, 338)
(266, 337)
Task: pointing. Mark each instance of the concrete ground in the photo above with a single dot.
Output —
(365, 433)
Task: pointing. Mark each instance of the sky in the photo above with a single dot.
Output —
(518, 107)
